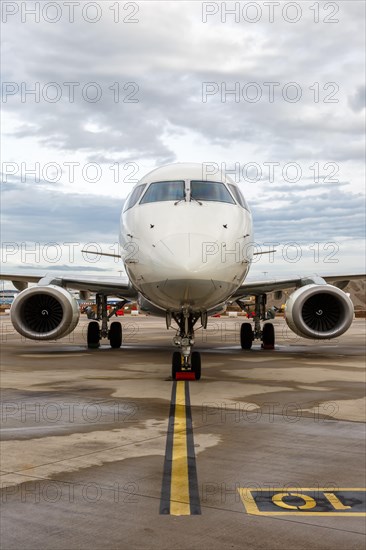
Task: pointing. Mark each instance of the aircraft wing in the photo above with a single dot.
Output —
(116, 286)
(253, 288)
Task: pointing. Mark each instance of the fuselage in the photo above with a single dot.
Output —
(186, 238)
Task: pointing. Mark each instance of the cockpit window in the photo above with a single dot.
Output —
(238, 196)
(210, 191)
(164, 191)
(134, 197)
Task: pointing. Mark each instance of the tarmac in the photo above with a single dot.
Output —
(100, 449)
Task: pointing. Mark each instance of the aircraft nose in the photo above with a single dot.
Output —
(188, 252)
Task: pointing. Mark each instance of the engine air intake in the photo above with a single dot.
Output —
(42, 313)
(319, 311)
(322, 312)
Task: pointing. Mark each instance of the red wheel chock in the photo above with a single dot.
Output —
(185, 375)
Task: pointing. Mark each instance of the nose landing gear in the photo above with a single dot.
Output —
(186, 365)
(182, 371)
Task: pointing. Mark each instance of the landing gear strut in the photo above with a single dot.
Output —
(185, 363)
(97, 331)
(265, 334)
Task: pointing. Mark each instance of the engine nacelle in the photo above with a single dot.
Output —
(319, 311)
(44, 313)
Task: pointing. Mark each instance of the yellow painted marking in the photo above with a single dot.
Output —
(309, 501)
(335, 502)
(265, 490)
(179, 489)
(252, 508)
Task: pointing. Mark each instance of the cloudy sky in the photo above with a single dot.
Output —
(95, 95)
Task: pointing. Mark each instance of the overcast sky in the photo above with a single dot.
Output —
(149, 84)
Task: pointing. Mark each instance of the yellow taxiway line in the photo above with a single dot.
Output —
(180, 494)
(179, 490)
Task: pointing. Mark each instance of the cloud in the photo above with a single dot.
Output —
(168, 56)
(53, 216)
(163, 61)
(358, 100)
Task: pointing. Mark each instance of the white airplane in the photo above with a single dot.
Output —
(187, 246)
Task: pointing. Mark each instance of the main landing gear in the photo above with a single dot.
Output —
(265, 334)
(97, 330)
(186, 364)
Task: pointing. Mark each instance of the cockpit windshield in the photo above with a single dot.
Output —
(210, 191)
(238, 196)
(134, 197)
(164, 191)
(161, 191)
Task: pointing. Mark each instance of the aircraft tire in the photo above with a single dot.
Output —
(246, 336)
(196, 364)
(115, 335)
(176, 364)
(268, 336)
(93, 336)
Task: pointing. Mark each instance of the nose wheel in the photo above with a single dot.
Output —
(188, 372)
(176, 364)
(196, 364)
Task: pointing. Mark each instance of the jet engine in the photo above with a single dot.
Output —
(319, 311)
(44, 313)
